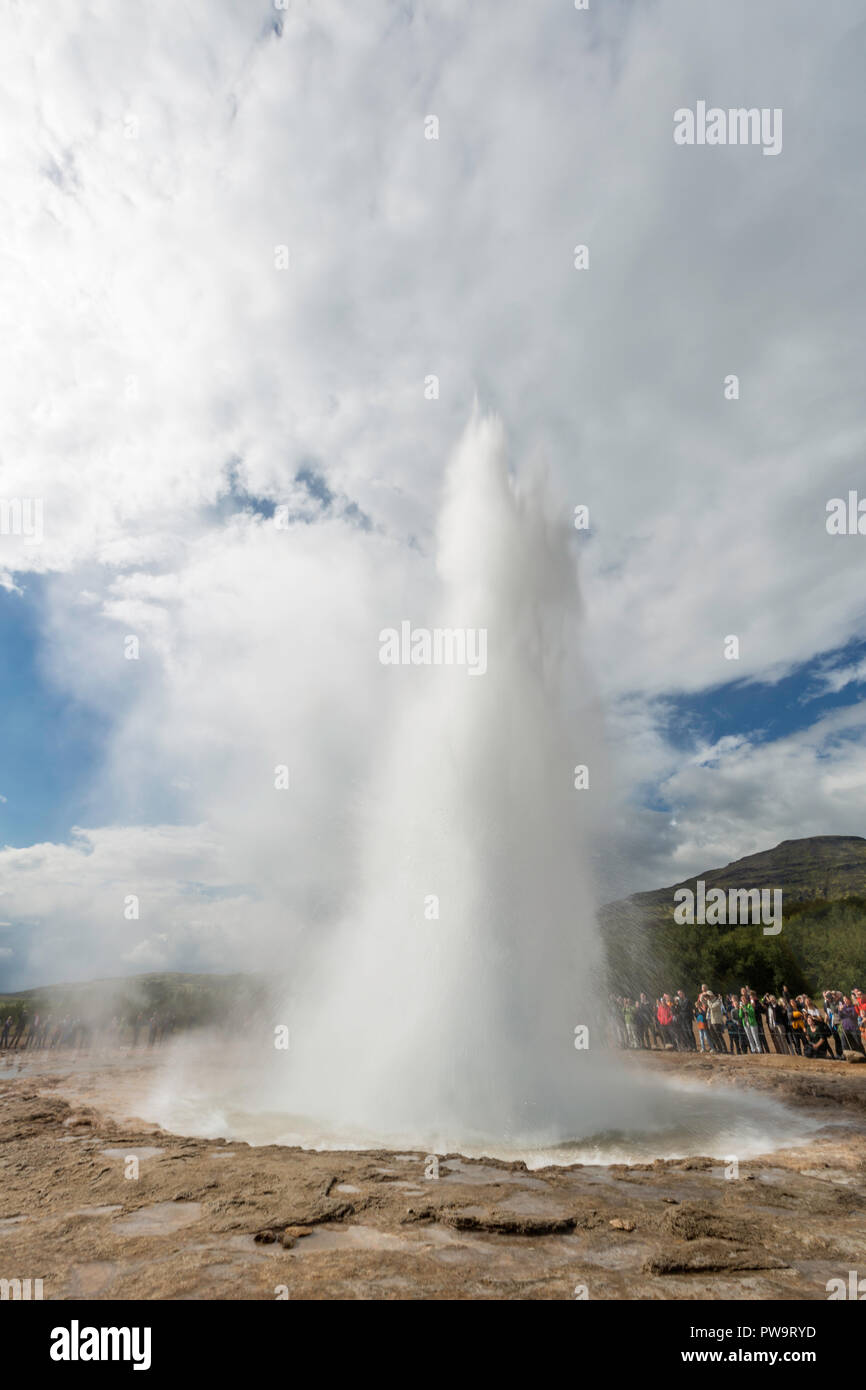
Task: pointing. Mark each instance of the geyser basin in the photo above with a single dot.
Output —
(207, 1095)
(451, 1007)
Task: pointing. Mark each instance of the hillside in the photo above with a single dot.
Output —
(821, 867)
(822, 943)
(189, 999)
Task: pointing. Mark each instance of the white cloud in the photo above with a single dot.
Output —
(154, 157)
(753, 795)
(836, 678)
(68, 902)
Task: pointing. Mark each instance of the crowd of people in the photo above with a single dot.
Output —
(744, 1023)
(21, 1032)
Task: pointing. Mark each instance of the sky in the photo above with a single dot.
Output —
(170, 386)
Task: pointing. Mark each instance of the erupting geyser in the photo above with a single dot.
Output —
(442, 1014)
(459, 1028)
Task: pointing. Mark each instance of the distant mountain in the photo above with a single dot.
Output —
(821, 867)
(822, 944)
(189, 999)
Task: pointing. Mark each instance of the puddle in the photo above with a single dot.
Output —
(130, 1153)
(530, 1204)
(350, 1238)
(160, 1219)
(222, 1153)
(678, 1192)
(627, 1254)
(96, 1211)
(774, 1176)
(336, 1237)
(241, 1245)
(88, 1280)
(458, 1247)
(834, 1175)
(484, 1173)
(346, 1187)
(457, 1255)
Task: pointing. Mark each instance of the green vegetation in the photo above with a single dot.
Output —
(191, 1000)
(822, 944)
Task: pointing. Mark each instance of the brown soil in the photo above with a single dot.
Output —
(210, 1219)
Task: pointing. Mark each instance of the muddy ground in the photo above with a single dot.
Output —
(207, 1219)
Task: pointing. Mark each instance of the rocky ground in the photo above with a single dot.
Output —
(107, 1208)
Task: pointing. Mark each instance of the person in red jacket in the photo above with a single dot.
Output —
(665, 1016)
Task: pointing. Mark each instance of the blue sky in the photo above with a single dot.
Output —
(51, 744)
(174, 387)
(767, 710)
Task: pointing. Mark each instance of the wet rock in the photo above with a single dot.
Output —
(690, 1222)
(508, 1246)
(323, 1210)
(707, 1256)
(421, 1214)
(506, 1222)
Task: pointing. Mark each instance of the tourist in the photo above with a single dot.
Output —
(722, 1024)
(701, 1021)
(644, 1021)
(665, 1017)
(748, 1018)
(716, 1021)
(22, 1025)
(628, 1015)
(798, 1025)
(736, 1036)
(830, 1013)
(816, 1041)
(760, 1015)
(849, 1025)
(776, 1021)
(684, 1015)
